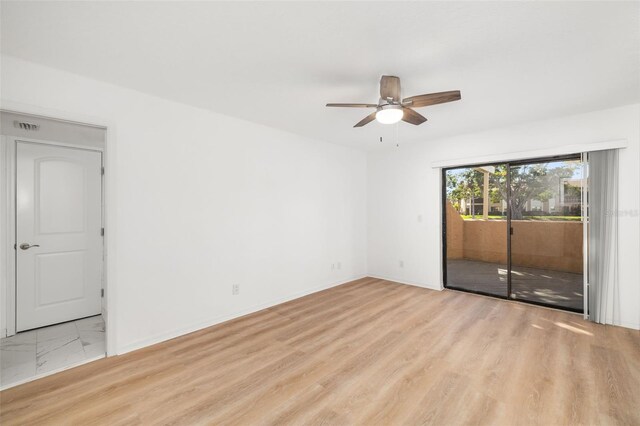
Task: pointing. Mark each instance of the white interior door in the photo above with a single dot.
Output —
(58, 234)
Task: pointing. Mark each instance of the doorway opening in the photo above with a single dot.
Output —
(53, 305)
(515, 230)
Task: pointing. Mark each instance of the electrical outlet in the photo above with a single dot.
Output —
(235, 289)
(401, 263)
(339, 265)
(333, 266)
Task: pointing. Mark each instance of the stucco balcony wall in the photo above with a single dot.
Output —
(551, 245)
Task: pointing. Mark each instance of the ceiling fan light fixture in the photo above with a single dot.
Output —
(389, 114)
(391, 108)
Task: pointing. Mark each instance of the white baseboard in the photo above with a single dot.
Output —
(628, 324)
(625, 324)
(427, 286)
(161, 337)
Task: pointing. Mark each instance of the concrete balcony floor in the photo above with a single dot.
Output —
(562, 289)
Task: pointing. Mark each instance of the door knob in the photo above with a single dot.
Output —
(27, 246)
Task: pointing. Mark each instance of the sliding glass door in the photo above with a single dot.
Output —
(515, 230)
(547, 232)
(476, 229)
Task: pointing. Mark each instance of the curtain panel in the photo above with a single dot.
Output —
(603, 275)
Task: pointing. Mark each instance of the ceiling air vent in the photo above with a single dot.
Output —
(32, 127)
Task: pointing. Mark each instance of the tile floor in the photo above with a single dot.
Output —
(35, 352)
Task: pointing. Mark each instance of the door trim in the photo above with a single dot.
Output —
(108, 192)
(8, 234)
(512, 157)
(585, 233)
(109, 208)
(509, 227)
(443, 213)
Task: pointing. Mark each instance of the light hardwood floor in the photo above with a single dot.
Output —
(367, 352)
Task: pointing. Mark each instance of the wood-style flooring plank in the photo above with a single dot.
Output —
(369, 352)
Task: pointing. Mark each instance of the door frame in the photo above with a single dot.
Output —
(443, 212)
(8, 168)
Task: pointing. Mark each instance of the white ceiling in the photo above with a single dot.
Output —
(279, 63)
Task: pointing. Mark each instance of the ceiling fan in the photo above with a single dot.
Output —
(390, 109)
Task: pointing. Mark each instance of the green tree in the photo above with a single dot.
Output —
(465, 185)
(532, 182)
(528, 182)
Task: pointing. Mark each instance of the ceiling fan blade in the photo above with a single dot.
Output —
(410, 116)
(353, 105)
(390, 87)
(431, 99)
(368, 119)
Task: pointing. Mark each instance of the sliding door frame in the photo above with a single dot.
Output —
(444, 231)
(509, 164)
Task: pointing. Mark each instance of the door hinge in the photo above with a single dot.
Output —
(511, 231)
(102, 292)
(102, 232)
(102, 170)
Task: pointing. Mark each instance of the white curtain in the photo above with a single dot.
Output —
(603, 296)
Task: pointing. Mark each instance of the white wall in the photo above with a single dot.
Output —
(199, 201)
(403, 188)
